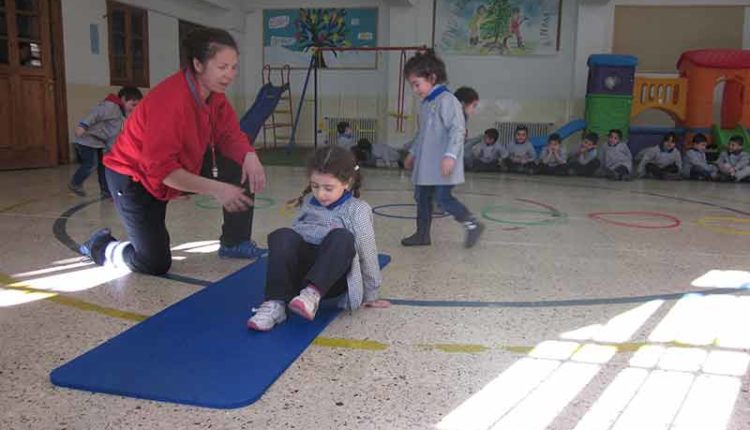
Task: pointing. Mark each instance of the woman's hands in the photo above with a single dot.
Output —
(253, 172)
(231, 197)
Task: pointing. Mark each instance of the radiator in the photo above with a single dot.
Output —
(507, 130)
(362, 127)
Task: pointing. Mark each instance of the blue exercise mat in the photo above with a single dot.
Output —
(199, 350)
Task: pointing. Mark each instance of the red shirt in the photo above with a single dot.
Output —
(171, 129)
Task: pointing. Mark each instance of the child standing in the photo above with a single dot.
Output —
(487, 155)
(734, 164)
(521, 153)
(96, 133)
(345, 138)
(585, 161)
(554, 158)
(330, 250)
(694, 164)
(615, 158)
(437, 152)
(662, 161)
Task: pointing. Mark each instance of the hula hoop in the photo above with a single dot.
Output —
(556, 215)
(602, 216)
(206, 202)
(377, 210)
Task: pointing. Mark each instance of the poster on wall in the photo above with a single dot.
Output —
(497, 27)
(290, 35)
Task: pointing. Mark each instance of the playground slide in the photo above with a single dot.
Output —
(265, 103)
(722, 136)
(565, 131)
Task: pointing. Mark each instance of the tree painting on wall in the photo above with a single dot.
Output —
(497, 27)
(291, 36)
(320, 28)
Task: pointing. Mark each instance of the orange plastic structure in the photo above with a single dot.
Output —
(666, 94)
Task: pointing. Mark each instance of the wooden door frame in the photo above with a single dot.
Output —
(61, 101)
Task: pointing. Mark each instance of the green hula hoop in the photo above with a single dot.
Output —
(206, 202)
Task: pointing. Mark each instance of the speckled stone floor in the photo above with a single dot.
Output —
(588, 304)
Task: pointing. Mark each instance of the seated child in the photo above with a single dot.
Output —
(553, 160)
(330, 250)
(96, 134)
(584, 162)
(363, 152)
(734, 164)
(487, 155)
(615, 159)
(345, 138)
(521, 153)
(662, 161)
(694, 164)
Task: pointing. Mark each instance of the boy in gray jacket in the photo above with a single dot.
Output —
(487, 154)
(96, 133)
(585, 161)
(521, 153)
(734, 164)
(554, 158)
(662, 161)
(615, 159)
(694, 164)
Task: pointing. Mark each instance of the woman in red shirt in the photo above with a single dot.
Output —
(183, 137)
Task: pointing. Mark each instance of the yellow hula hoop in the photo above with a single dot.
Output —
(710, 223)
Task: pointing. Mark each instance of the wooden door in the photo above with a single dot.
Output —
(28, 127)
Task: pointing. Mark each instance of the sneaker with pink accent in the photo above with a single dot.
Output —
(270, 313)
(306, 304)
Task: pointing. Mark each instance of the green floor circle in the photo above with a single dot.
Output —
(208, 202)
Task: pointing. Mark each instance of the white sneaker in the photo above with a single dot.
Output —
(270, 313)
(306, 304)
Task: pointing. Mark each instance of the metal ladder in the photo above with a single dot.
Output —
(283, 116)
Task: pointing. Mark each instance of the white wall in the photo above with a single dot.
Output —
(87, 74)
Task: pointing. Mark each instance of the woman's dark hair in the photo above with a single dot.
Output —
(130, 93)
(425, 65)
(203, 43)
(337, 162)
(466, 95)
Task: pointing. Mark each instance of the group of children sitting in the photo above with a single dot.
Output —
(613, 159)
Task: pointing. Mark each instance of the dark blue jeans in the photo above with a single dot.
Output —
(424, 194)
(144, 219)
(91, 158)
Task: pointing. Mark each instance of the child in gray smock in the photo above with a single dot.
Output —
(488, 154)
(554, 158)
(615, 159)
(437, 152)
(662, 161)
(521, 153)
(585, 161)
(694, 164)
(734, 164)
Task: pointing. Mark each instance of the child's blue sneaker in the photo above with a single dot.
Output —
(247, 249)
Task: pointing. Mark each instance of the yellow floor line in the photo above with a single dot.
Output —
(323, 341)
(335, 342)
(11, 284)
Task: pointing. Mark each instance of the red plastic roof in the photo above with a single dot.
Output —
(717, 58)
